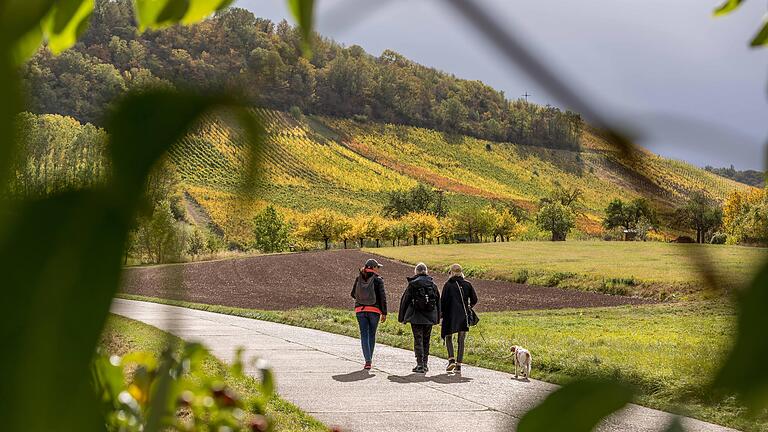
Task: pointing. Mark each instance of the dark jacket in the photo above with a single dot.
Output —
(454, 315)
(378, 287)
(408, 312)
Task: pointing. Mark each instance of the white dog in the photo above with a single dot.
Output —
(523, 359)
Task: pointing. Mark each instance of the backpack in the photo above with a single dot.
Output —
(424, 298)
(365, 292)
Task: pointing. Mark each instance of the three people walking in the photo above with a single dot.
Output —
(422, 306)
(370, 306)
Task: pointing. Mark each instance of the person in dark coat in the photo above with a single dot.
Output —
(421, 313)
(370, 306)
(457, 296)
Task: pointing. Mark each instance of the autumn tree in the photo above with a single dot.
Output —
(323, 225)
(506, 225)
(701, 214)
(270, 231)
(629, 215)
(745, 217)
(555, 218)
(421, 226)
(420, 199)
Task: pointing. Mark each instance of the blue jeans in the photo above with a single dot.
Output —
(368, 322)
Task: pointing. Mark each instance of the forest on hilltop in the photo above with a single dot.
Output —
(748, 177)
(262, 61)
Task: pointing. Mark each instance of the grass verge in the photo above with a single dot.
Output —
(122, 335)
(648, 269)
(668, 351)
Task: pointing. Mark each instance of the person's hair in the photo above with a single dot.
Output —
(420, 269)
(456, 270)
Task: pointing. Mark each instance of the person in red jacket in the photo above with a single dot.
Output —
(370, 306)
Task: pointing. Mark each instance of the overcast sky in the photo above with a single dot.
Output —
(687, 81)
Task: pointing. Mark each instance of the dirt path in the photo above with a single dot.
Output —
(279, 282)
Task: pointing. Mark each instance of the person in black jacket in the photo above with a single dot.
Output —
(420, 306)
(370, 306)
(458, 295)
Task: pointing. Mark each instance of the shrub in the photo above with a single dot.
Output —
(718, 238)
(196, 399)
(521, 276)
(612, 287)
(555, 278)
(295, 112)
(196, 242)
(476, 272)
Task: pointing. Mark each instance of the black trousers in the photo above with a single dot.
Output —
(422, 333)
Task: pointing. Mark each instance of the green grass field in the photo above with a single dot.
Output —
(650, 269)
(123, 335)
(668, 351)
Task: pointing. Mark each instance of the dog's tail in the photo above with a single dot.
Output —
(528, 364)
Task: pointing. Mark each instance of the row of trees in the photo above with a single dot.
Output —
(57, 153)
(636, 218)
(236, 50)
(273, 232)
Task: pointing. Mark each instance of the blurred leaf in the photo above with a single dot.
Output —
(744, 370)
(156, 119)
(143, 358)
(303, 13)
(157, 14)
(9, 107)
(675, 426)
(173, 11)
(199, 9)
(236, 369)
(161, 392)
(576, 407)
(267, 381)
(66, 21)
(61, 260)
(728, 7)
(107, 377)
(19, 17)
(761, 39)
(253, 127)
(27, 45)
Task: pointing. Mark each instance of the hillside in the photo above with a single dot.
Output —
(323, 162)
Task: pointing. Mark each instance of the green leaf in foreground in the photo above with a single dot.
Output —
(66, 21)
(157, 14)
(61, 260)
(761, 39)
(744, 370)
(303, 12)
(576, 407)
(728, 7)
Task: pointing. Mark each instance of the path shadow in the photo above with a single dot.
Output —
(358, 375)
(439, 379)
(520, 379)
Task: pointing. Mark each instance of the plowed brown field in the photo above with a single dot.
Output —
(279, 282)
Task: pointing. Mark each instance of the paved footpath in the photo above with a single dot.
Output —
(321, 373)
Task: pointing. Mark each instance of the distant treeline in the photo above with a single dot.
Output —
(262, 60)
(750, 177)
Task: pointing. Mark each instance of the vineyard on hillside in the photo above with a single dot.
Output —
(350, 167)
(321, 162)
